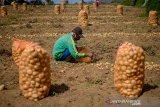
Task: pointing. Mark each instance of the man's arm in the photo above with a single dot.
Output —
(73, 50)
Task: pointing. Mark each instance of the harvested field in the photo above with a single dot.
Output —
(79, 84)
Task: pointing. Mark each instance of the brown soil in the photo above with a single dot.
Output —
(79, 84)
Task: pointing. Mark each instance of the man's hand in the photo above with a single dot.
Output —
(89, 54)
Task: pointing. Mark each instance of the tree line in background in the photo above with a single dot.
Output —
(37, 2)
(151, 5)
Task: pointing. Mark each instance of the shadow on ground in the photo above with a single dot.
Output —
(57, 89)
(148, 87)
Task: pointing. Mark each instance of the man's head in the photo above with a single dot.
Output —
(77, 33)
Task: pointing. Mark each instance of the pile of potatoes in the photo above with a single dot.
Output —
(119, 9)
(34, 69)
(129, 70)
(153, 18)
(83, 18)
(57, 9)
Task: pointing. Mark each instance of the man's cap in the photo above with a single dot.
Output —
(78, 31)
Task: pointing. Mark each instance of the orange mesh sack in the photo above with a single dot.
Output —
(120, 9)
(95, 6)
(24, 6)
(62, 6)
(57, 9)
(12, 3)
(80, 6)
(34, 71)
(3, 11)
(83, 18)
(15, 6)
(86, 59)
(153, 18)
(129, 70)
(18, 47)
(86, 9)
(34, 74)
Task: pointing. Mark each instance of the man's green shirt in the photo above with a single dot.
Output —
(66, 42)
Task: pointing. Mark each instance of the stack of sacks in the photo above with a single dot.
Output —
(120, 9)
(57, 9)
(34, 69)
(3, 11)
(129, 70)
(83, 18)
(86, 9)
(153, 18)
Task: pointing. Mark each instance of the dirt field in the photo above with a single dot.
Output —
(79, 84)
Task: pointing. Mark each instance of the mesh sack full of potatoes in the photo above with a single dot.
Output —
(15, 6)
(86, 9)
(129, 70)
(153, 18)
(3, 11)
(62, 6)
(57, 9)
(80, 6)
(83, 18)
(24, 6)
(95, 6)
(34, 69)
(119, 9)
(18, 47)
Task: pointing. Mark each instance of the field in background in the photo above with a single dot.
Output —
(78, 85)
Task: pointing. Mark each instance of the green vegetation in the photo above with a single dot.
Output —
(153, 5)
(139, 3)
(128, 2)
